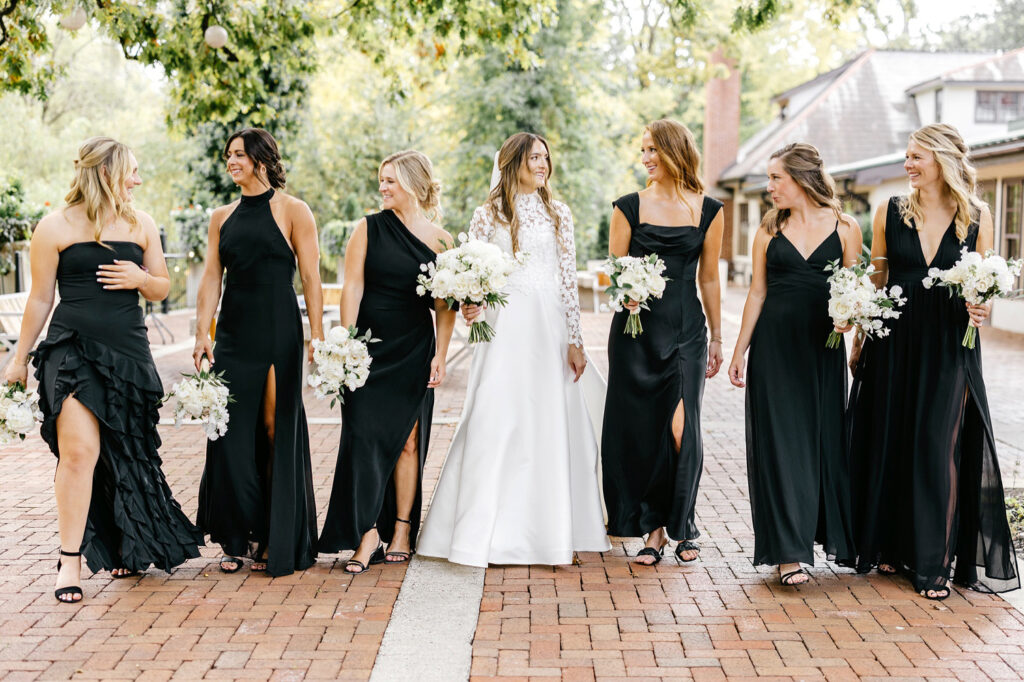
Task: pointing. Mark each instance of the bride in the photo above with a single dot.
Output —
(520, 482)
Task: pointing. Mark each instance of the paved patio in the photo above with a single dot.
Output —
(602, 619)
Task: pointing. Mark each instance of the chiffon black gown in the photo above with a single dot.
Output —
(795, 410)
(647, 482)
(96, 349)
(376, 419)
(255, 493)
(928, 497)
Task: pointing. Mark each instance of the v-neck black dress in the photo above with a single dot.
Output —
(647, 482)
(795, 411)
(377, 418)
(928, 497)
(254, 491)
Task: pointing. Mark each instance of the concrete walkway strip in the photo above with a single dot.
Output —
(430, 634)
(438, 421)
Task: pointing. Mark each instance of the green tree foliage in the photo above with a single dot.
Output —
(1001, 29)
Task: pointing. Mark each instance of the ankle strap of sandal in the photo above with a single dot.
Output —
(63, 553)
(403, 520)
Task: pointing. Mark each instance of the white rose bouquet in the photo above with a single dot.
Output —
(634, 279)
(203, 396)
(977, 280)
(853, 299)
(342, 361)
(19, 412)
(472, 272)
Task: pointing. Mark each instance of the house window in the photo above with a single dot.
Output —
(1013, 216)
(938, 105)
(992, 106)
(743, 230)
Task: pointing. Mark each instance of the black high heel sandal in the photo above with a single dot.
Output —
(237, 561)
(687, 546)
(401, 557)
(651, 552)
(259, 562)
(376, 558)
(72, 590)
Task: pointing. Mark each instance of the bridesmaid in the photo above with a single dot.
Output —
(98, 386)
(651, 448)
(386, 423)
(796, 465)
(257, 487)
(927, 490)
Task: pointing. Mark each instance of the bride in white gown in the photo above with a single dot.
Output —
(520, 484)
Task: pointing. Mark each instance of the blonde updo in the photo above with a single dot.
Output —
(415, 174)
(102, 169)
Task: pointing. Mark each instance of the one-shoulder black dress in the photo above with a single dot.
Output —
(96, 349)
(927, 494)
(254, 491)
(795, 409)
(377, 418)
(647, 482)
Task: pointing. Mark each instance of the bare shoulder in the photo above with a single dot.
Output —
(848, 223)
(221, 213)
(292, 204)
(761, 240)
(145, 220)
(441, 239)
(51, 228)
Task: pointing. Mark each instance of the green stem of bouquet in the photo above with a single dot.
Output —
(970, 337)
(633, 325)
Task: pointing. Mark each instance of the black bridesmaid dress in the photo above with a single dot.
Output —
(97, 350)
(255, 492)
(647, 482)
(928, 497)
(376, 419)
(795, 410)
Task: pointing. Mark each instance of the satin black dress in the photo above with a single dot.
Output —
(928, 497)
(376, 419)
(647, 482)
(96, 349)
(795, 410)
(254, 492)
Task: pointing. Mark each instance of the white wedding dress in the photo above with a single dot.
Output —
(520, 483)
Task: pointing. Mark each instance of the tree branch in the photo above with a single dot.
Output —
(5, 11)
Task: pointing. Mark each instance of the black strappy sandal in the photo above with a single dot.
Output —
(72, 590)
(687, 546)
(651, 552)
(787, 578)
(376, 558)
(888, 570)
(947, 589)
(402, 557)
(230, 560)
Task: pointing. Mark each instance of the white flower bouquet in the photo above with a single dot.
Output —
(202, 396)
(977, 280)
(634, 279)
(19, 412)
(472, 272)
(853, 299)
(342, 361)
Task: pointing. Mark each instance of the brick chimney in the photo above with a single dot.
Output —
(722, 137)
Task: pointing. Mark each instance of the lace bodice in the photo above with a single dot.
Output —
(547, 265)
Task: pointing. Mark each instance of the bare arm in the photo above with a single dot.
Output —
(879, 256)
(307, 252)
(208, 295)
(711, 290)
(355, 259)
(986, 237)
(619, 234)
(158, 284)
(752, 308)
(853, 240)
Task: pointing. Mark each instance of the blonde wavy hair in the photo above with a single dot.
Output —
(102, 169)
(946, 143)
(415, 174)
(677, 151)
(513, 155)
(803, 163)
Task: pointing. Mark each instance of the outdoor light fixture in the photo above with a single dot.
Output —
(216, 37)
(75, 19)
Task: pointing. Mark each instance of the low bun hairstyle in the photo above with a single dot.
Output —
(102, 168)
(261, 147)
(415, 174)
(803, 163)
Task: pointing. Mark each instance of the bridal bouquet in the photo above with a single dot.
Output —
(202, 396)
(342, 361)
(977, 280)
(19, 412)
(634, 279)
(853, 299)
(472, 272)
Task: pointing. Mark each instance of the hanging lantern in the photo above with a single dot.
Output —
(74, 20)
(216, 37)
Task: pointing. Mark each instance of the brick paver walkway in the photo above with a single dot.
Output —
(603, 619)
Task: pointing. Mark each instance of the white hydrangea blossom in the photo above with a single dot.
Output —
(853, 299)
(19, 412)
(634, 279)
(203, 397)
(342, 361)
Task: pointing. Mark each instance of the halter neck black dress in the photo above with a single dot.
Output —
(96, 349)
(927, 494)
(647, 483)
(254, 491)
(376, 419)
(795, 410)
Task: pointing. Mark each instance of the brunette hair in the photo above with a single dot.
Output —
(677, 151)
(261, 147)
(513, 155)
(803, 163)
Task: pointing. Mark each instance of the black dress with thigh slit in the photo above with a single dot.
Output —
(254, 491)
(96, 350)
(377, 419)
(928, 496)
(647, 482)
(795, 411)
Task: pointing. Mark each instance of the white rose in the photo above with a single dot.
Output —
(20, 418)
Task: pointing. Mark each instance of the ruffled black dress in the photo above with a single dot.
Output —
(97, 350)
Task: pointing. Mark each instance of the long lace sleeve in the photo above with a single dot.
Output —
(482, 225)
(569, 287)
